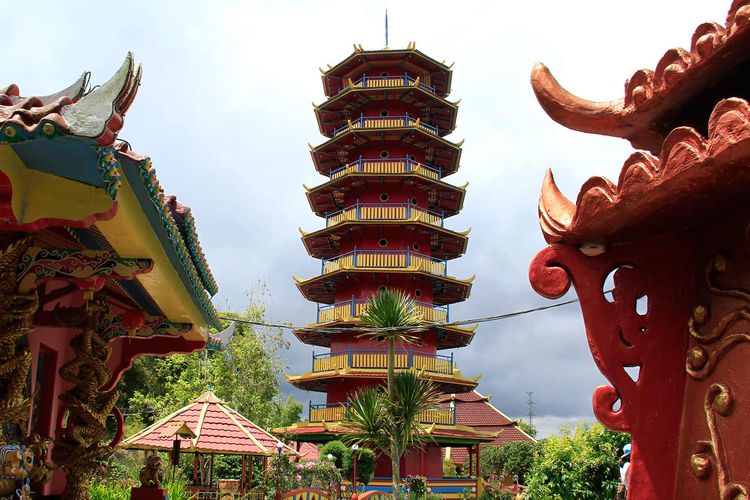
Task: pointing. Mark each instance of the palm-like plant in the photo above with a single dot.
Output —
(391, 424)
(388, 311)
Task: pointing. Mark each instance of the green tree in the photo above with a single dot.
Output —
(391, 424)
(578, 464)
(527, 428)
(245, 375)
(490, 461)
(517, 458)
(389, 310)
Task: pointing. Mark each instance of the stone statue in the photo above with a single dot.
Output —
(151, 473)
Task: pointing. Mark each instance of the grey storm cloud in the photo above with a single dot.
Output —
(224, 111)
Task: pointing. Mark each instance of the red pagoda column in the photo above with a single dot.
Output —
(673, 234)
(384, 207)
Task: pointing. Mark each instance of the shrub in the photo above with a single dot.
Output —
(339, 451)
(578, 464)
(449, 468)
(415, 486)
(366, 461)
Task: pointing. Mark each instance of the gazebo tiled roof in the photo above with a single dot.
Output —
(217, 428)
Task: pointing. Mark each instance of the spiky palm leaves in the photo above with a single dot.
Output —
(388, 310)
(392, 423)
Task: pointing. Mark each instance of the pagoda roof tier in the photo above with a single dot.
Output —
(447, 336)
(335, 112)
(320, 432)
(681, 91)
(444, 243)
(341, 150)
(61, 166)
(369, 264)
(441, 196)
(408, 60)
(359, 364)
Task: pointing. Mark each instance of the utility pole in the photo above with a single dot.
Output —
(530, 403)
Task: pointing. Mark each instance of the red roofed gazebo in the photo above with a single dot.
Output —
(217, 430)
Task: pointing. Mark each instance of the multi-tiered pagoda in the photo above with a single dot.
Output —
(384, 207)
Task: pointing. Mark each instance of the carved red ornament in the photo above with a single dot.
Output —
(673, 338)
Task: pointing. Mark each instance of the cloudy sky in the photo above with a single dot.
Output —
(225, 113)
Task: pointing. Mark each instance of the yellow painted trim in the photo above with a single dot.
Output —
(38, 195)
(131, 235)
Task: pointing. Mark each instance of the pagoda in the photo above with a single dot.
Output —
(384, 207)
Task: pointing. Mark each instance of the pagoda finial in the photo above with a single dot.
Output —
(386, 28)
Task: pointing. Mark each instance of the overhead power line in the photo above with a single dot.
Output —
(421, 327)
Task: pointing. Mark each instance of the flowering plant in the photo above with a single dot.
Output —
(415, 486)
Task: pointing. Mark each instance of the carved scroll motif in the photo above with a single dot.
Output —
(702, 359)
(40, 264)
(112, 327)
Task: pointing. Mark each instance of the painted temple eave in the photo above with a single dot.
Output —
(359, 56)
(317, 381)
(461, 336)
(64, 166)
(461, 238)
(643, 116)
(328, 188)
(461, 287)
(655, 194)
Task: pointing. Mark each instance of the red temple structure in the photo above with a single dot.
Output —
(673, 233)
(475, 410)
(385, 204)
(97, 267)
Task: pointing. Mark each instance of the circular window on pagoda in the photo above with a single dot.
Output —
(417, 293)
(416, 246)
(384, 154)
(383, 242)
(384, 197)
(384, 112)
(384, 73)
(381, 288)
(412, 157)
(414, 201)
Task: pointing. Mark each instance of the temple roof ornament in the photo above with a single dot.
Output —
(653, 101)
(96, 114)
(652, 191)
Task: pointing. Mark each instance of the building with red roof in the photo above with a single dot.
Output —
(474, 410)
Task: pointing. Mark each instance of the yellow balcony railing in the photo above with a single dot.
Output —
(387, 166)
(385, 259)
(336, 412)
(351, 309)
(365, 122)
(387, 212)
(378, 360)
